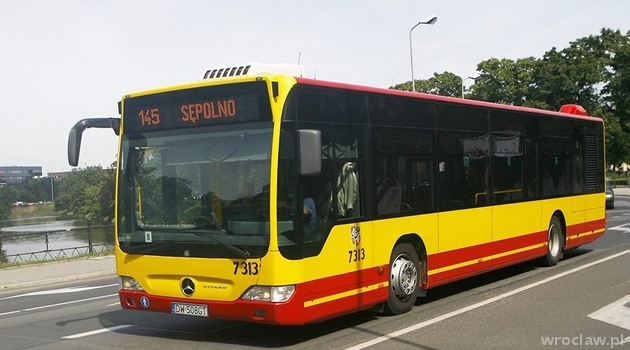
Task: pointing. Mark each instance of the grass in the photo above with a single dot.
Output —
(27, 211)
(616, 179)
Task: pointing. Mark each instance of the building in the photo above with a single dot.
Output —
(60, 174)
(18, 174)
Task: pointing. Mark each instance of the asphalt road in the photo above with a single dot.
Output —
(571, 305)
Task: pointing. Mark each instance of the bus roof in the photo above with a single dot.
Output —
(567, 111)
(297, 71)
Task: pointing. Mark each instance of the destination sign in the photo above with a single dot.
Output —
(203, 106)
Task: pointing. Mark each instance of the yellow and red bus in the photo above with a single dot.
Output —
(263, 196)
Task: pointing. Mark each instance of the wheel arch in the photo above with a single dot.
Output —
(418, 243)
(556, 239)
(560, 215)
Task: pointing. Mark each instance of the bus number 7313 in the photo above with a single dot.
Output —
(250, 268)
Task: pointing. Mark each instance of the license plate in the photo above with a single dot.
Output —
(189, 309)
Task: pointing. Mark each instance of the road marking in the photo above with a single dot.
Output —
(59, 291)
(114, 328)
(58, 304)
(98, 331)
(480, 304)
(623, 228)
(616, 313)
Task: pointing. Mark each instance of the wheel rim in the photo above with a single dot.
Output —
(554, 240)
(404, 277)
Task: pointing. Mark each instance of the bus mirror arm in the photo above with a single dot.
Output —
(74, 138)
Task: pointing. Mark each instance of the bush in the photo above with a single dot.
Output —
(617, 179)
(3, 254)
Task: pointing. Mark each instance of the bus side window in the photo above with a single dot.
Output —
(419, 192)
(324, 202)
(388, 196)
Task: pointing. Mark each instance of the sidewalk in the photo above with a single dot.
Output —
(50, 273)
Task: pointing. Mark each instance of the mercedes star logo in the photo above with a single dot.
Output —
(188, 287)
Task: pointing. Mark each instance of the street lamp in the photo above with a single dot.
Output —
(52, 189)
(473, 78)
(429, 20)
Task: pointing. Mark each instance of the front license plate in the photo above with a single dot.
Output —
(189, 309)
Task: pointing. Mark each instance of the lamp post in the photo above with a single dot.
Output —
(473, 78)
(52, 189)
(429, 20)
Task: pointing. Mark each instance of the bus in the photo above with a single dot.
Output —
(259, 195)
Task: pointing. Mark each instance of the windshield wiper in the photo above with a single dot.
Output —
(216, 221)
(138, 248)
(242, 253)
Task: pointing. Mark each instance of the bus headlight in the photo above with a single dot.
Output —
(271, 294)
(129, 283)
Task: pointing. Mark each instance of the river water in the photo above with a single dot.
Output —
(28, 235)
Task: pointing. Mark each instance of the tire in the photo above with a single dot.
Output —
(555, 241)
(403, 280)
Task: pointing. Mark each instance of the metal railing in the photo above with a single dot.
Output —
(55, 254)
(62, 253)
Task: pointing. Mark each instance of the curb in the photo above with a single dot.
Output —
(57, 280)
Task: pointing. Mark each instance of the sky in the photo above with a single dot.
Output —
(65, 60)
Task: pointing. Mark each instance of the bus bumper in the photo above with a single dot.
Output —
(289, 313)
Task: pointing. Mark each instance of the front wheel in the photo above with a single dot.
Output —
(555, 241)
(403, 280)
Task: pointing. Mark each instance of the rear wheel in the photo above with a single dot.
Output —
(555, 241)
(403, 280)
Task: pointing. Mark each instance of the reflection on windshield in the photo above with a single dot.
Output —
(209, 184)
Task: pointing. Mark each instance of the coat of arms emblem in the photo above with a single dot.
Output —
(355, 233)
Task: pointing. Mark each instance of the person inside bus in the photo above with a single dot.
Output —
(309, 211)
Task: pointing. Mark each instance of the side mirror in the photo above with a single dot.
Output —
(74, 138)
(309, 143)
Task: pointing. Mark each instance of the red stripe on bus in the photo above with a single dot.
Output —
(483, 253)
(348, 292)
(485, 266)
(343, 283)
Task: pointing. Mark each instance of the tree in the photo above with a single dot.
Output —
(445, 84)
(505, 81)
(617, 97)
(8, 195)
(87, 192)
(596, 76)
(3, 254)
(107, 195)
(34, 190)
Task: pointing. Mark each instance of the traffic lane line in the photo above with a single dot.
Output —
(481, 303)
(58, 304)
(98, 331)
(68, 290)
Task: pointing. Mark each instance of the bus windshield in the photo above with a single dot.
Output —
(199, 194)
